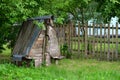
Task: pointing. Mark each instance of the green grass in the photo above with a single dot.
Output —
(5, 55)
(89, 69)
(96, 47)
(65, 70)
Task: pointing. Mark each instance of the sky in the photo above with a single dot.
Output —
(113, 22)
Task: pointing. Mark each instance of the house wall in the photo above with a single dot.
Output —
(36, 51)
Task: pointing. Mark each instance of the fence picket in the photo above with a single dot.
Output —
(105, 35)
(93, 47)
(116, 41)
(99, 41)
(112, 42)
(86, 42)
(78, 39)
(108, 54)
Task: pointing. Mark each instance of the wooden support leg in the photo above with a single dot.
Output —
(48, 59)
(56, 62)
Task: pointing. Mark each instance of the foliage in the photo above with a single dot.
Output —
(65, 51)
(6, 50)
(12, 12)
(17, 11)
(65, 70)
(108, 8)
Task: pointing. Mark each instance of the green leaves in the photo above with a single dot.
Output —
(109, 8)
(40, 25)
(114, 1)
(12, 11)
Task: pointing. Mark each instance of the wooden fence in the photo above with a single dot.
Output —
(100, 41)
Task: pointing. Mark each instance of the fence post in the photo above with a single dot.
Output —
(101, 41)
(69, 35)
(97, 41)
(86, 42)
(93, 50)
(112, 42)
(78, 39)
(116, 41)
(108, 54)
(105, 35)
(72, 36)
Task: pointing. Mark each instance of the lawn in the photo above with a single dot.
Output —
(66, 70)
(5, 55)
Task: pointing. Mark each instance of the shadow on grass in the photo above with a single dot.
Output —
(5, 59)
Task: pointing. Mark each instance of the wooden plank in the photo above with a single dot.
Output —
(97, 54)
(69, 35)
(86, 37)
(65, 32)
(100, 41)
(82, 45)
(71, 28)
(75, 50)
(24, 38)
(75, 46)
(59, 33)
(79, 39)
(89, 44)
(104, 41)
(116, 41)
(93, 50)
(112, 43)
(104, 27)
(108, 54)
(63, 35)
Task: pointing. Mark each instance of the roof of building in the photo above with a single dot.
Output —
(28, 34)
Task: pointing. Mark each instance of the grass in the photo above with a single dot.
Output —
(97, 46)
(5, 55)
(65, 70)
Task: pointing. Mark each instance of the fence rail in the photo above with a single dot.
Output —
(98, 41)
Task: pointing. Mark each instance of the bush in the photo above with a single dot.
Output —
(65, 51)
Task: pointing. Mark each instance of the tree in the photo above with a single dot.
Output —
(12, 11)
(18, 11)
(109, 8)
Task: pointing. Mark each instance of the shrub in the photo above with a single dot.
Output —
(65, 51)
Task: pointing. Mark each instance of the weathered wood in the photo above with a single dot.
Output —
(112, 43)
(101, 38)
(97, 44)
(108, 54)
(72, 37)
(33, 43)
(89, 42)
(116, 41)
(101, 41)
(86, 43)
(78, 39)
(93, 40)
(104, 40)
(69, 36)
(48, 59)
(53, 47)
